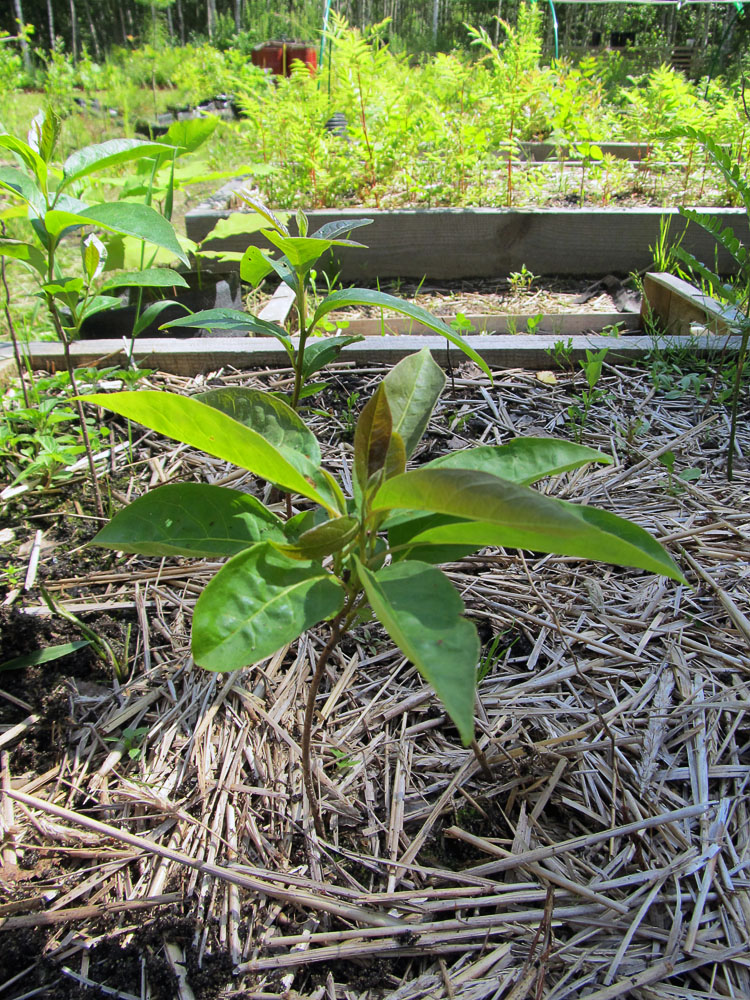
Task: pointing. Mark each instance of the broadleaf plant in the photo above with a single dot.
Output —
(54, 210)
(299, 256)
(337, 556)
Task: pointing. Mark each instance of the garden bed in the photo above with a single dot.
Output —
(455, 244)
(672, 306)
(156, 831)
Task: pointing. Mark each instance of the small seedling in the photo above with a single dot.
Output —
(561, 353)
(374, 552)
(674, 483)
(521, 281)
(534, 322)
(131, 740)
(590, 394)
(343, 761)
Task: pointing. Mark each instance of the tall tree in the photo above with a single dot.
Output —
(22, 36)
(73, 31)
(51, 23)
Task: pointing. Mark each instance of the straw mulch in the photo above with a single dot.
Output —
(598, 846)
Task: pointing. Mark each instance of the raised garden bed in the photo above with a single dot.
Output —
(455, 244)
(388, 340)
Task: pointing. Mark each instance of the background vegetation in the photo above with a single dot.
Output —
(649, 31)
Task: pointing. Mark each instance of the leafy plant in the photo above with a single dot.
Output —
(516, 84)
(299, 256)
(339, 558)
(39, 444)
(45, 655)
(131, 739)
(561, 353)
(675, 480)
(735, 293)
(590, 393)
(521, 281)
(54, 210)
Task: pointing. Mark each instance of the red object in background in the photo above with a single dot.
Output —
(279, 56)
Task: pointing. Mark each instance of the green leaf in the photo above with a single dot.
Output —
(404, 526)
(151, 313)
(93, 256)
(724, 235)
(151, 277)
(141, 221)
(303, 251)
(127, 218)
(108, 154)
(376, 448)
(192, 422)
(236, 224)
(255, 266)
(26, 252)
(44, 655)
(191, 519)
(345, 297)
(423, 614)
(29, 156)
(323, 539)
(98, 304)
(255, 604)
(498, 512)
(268, 415)
(332, 230)
(523, 460)
(413, 388)
(189, 134)
(322, 352)
(17, 183)
(45, 130)
(232, 319)
(276, 220)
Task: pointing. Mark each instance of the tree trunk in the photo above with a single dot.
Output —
(73, 31)
(51, 21)
(24, 44)
(92, 29)
(435, 19)
(238, 15)
(210, 17)
(123, 29)
(180, 22)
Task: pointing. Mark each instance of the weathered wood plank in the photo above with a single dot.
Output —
(278, 307)
(454, 244)
(558, 325)
(676, 305)
(540, 151)
(191, 357)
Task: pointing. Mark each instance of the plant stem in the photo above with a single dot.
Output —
(60, 329)
(336, 632)
(299, 361)
(370, 157)
(12, 330)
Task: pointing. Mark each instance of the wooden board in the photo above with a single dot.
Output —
(557, 325)
(452, 244)
(191, 357)
(677, 306)
(540, 151)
